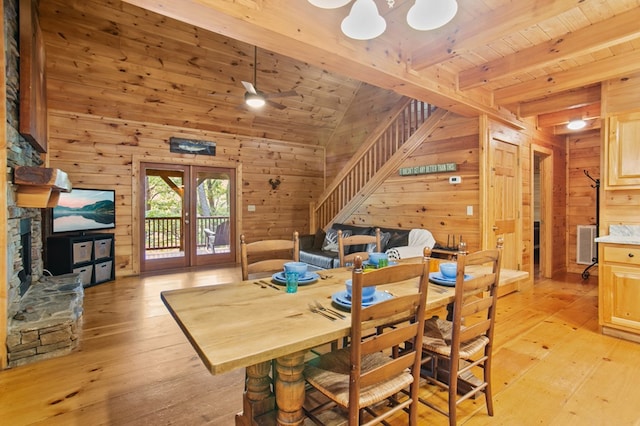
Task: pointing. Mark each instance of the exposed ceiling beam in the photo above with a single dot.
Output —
(484, 29)
(605, 69)
(565, 100)
(592, 125)
(299, 31)
(595, 37)
(563, 117)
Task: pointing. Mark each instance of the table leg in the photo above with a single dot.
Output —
(258, 397)
(289, 388)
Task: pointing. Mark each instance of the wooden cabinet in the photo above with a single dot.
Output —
(622, 153)
(91, 256)
(619, 290)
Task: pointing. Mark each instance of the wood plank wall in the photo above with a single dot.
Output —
(619, 206)
(430, 201)
(583, 154)
(100, 152)
(368, 107)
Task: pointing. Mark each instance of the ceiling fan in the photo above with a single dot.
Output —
(255, 98)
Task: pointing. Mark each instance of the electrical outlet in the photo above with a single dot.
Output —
(469, 210)
(454, 180)
(251, 208)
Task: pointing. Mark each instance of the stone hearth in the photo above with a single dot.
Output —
(47, 323)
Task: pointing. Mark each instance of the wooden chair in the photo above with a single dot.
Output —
(265, 255)
(453, 349)
(356, 240)
(364, 373)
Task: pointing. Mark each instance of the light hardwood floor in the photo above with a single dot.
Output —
(135, 366)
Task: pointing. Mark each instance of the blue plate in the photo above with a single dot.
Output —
(310, 277)
(438, 278)
(342, 299)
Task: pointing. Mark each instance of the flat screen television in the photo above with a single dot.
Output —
(84, 210)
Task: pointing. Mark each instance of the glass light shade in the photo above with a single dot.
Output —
(431, 14)
(254, 100)
(329, 4)
(576, 124)
(364, 22)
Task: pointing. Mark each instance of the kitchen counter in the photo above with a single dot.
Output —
(621, 234)
(618, 239)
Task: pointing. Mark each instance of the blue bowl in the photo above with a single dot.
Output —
(375, 257)
(299, 267)
(449, 269)
(367, 292)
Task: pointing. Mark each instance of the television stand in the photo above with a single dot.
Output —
(90, 255)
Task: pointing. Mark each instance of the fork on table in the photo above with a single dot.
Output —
(329, 310)
(315, 310)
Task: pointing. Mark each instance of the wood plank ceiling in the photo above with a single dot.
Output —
(543, 58)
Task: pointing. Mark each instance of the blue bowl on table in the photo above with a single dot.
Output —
(367, 292)
(299, 267)
(449, 269)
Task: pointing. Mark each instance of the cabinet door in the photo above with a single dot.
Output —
(623, 155)
(621, 298)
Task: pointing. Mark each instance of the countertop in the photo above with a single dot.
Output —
(618, 239)
(621, 234)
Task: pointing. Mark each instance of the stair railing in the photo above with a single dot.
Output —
(404, 120)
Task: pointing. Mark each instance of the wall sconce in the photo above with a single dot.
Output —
(274, 183)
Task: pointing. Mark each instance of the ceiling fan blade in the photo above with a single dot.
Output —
(281, 94)
(249, 87)
(274, 104)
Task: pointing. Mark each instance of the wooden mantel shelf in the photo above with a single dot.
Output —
(39, 187)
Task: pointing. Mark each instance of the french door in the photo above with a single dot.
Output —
(188, 216)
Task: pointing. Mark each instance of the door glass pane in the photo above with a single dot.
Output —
(164, 199)
(213, 212)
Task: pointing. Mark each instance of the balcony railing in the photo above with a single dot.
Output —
(164, 232)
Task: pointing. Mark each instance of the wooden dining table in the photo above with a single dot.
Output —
(256, 325)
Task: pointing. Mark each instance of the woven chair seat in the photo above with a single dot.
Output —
(437, 338)
(330, 375)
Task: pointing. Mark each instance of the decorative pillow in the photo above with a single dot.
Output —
(393, 254)
(331, 240)
(384, 240)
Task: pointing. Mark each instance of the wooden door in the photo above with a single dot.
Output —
(504, 200)
(187, 216)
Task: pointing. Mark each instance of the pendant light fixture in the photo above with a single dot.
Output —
(329, 4)
(431, 14)
(364, 22)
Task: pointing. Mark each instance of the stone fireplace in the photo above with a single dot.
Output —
(42, 313)
(25, 253)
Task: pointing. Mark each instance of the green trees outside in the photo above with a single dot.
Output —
(164, 207)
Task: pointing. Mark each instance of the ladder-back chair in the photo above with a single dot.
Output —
(266, 256)
(345, 243)
(455, 350)
(365, 373)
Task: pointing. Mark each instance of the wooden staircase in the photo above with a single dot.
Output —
(377, 158)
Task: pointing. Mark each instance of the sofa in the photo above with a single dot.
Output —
(320, 250)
